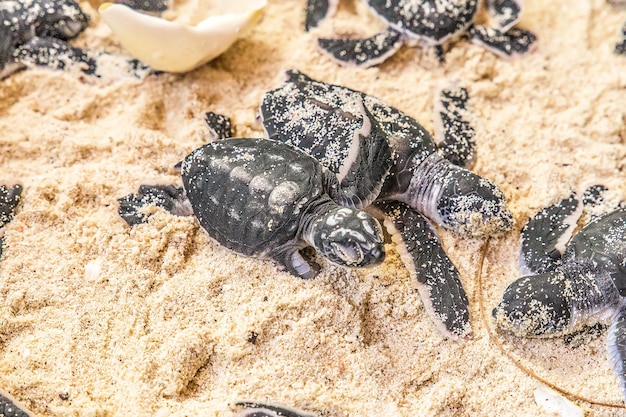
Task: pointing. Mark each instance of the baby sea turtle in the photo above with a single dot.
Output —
(34, 33)
(10, 197)
(429, 22)
(383, 156)
(571, 286)
(38, 21)
(269, 200)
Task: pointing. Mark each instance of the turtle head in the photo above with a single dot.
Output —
(535, 306)
(64, 21)
(347, 237)
(472, 205)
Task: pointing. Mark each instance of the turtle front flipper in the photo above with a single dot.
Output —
(437, 278)
(363, 53)
(254, 409)
(616, 345)
(169, 197)
(452, 127)
(291, 260)
(515, 41)
(317, 11)
(546, 234)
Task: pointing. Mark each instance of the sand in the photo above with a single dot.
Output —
(98, 319)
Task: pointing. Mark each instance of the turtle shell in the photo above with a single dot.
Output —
(603, 241)
(329, 122)
(431, 20)
(251, 194)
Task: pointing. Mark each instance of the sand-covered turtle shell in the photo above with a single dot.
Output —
(603, 242)
(251, 194)
(432, 20)
(329, 123)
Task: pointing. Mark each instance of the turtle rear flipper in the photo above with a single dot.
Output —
(616, 345)
(453, 130)
(317, 11)
(363, 53)
(504, 14)
(515, 41)
(597, 202)
(546, 234)
(169, 197)
(219, 125)
(437, 278)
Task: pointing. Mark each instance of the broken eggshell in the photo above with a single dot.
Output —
(195, 37)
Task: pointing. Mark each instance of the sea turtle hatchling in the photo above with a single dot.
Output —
(383, 156)
(38, 21)
(571, 286)
(34, 33)
(429, 22)
(269, 200)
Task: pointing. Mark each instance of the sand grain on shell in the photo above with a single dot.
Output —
(97, 319)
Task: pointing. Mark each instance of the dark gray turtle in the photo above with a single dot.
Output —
(24, 21)
(572, 285)
(382, 155)
(429, 22)
(10, 198)
(34, 33)
(10, 407)
(269, 200)
(254, 409)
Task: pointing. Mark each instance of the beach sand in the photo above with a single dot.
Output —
(98, 319)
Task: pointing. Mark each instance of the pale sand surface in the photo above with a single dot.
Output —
(97, 319)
